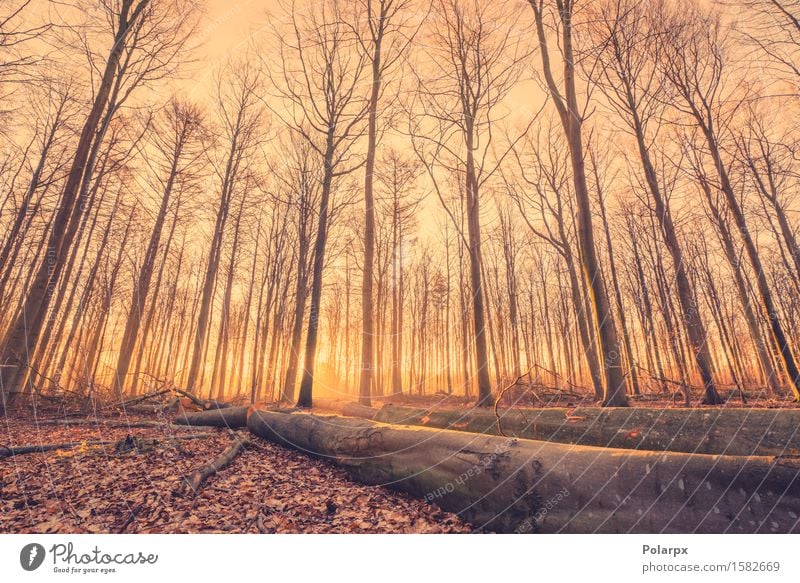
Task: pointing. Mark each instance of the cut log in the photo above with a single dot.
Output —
(112, 424)
(342, 407)
(359, 410)
(330, 404)
(204, 405)
(518, 485)
(710, 431)
(119, 445)
(231, 417)
(196, 479)
(6, 451)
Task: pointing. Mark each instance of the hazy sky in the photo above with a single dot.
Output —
(224, 31)
(229, 24)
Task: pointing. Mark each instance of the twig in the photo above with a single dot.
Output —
(502, 393)
(144, 397)
(196, 479)
(131, 518)
(558, 376)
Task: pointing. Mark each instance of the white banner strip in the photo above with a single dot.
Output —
(398, 558)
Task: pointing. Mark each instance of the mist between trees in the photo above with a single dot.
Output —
(400, 196)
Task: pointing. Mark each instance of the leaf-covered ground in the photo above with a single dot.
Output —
(267, 488)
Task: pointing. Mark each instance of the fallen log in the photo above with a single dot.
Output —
(329, 404)
(205, 405)
(359, 410)
(124, 445)
(231, 417)
(9, 451)
(518, 485)
(342, 407)
(710, 431)
(196, 479)
(112, 424)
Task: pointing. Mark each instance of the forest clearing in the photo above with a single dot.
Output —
(400, 266)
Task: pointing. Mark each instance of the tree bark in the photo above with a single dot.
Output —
(519, 485)
(744, 432)
(572, 122)
(230, 417)
(307, 382)
(22, 336)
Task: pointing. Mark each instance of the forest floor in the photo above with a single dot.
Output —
(267, 488)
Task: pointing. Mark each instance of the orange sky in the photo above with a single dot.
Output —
(225, 31)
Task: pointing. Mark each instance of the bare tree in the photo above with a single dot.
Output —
(176, 141)
(694, 65)
(138, 29)
(559, 14)
(52, 110)
(773, 26)
(318, 83)
(544, 175)
(612, 262)
(299, 178)
(382, 31)
(628, 77)
(397, 176)
(241, 121)
(17, 35)
(477, 56)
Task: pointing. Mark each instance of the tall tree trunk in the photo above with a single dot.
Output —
(300, 295)
(750, 316)
(367, 312)
(220, 371)
(475, 269)
(307, 382)
(626, 337)
(142, 286)
(767, 303)
(572, 122)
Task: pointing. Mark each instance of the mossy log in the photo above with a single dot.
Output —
(711, 431)
(518, 485)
